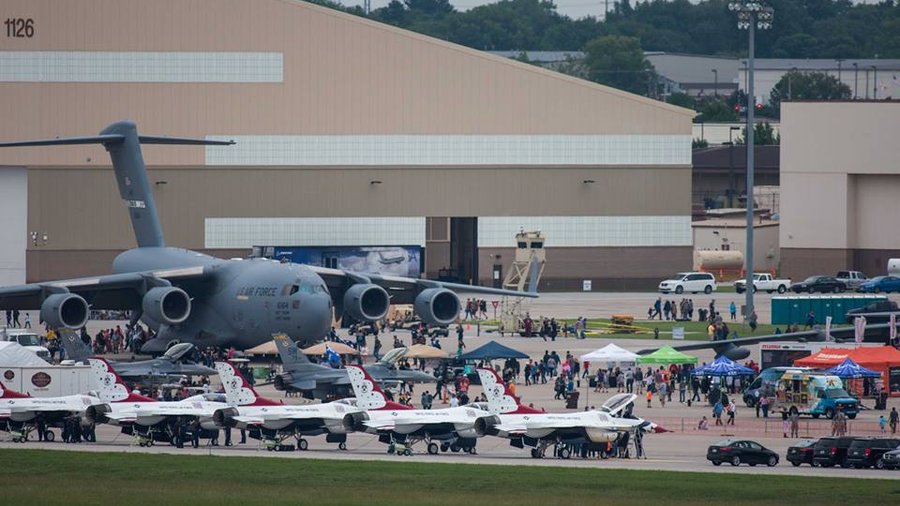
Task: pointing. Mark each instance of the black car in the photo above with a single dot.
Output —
(831, 451)
(740, 452)
(824, 284)
(802, 453)
(868, 451)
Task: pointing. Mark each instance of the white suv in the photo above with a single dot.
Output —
(689, 282)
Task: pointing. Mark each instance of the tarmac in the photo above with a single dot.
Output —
(683, 449)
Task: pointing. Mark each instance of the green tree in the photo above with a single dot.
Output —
(763, 134)
(682, 100)
(796, 85)
(715, 110)
(618, 61)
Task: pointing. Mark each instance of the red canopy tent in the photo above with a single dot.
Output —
(884, 359)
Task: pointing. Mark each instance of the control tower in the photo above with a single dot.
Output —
(523, 275)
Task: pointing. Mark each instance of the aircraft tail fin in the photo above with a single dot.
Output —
(111, 386)
(238, 391)
(124, 145)
(289, 351)
(369, 395)
(6, 393)
(500, 399)
(74, 347)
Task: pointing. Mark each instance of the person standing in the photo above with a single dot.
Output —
(732, 310)
(764, 405)
(376, 348)
(893, 419)
(717, 412)
(795, 425)
(15, 315)
(732, 410)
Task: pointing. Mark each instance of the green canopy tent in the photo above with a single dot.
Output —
(666, 356)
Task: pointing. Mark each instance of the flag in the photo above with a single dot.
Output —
(859, 325)
(332, 357)
(828, 329)
(893, 329)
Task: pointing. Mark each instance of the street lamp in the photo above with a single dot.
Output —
(855, 79)
(751, 15)
(716, 88)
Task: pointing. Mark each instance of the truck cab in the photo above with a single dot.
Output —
(815, 394)
(27, 339)
(853, 279)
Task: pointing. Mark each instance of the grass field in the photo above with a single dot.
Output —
(42, 477)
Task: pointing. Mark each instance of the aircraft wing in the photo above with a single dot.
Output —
(112, 291)
(404, 290)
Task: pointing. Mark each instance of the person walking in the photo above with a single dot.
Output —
(717, 412)
(764, 405)
(893, 419)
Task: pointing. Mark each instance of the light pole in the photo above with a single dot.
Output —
(731, 182)
(751, 15)
(855, 79)
(716, 87)
(875, 80)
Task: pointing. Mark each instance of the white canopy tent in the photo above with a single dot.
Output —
(609, 353)
(14, 355)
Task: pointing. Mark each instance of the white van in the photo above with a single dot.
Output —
(26, 338)
(689, 282)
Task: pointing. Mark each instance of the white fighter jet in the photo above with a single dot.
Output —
(145, 417)
(21, 413)
(525, 426)
(401, 427)
(272, 421)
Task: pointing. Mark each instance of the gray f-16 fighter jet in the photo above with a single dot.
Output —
(187, 296)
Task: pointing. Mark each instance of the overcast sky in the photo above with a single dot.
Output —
(573, 8)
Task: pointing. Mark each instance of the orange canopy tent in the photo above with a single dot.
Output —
(884, 359)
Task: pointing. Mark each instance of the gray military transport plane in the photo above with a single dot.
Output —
(187, 296)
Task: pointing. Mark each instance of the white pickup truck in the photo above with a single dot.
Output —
(764, 281)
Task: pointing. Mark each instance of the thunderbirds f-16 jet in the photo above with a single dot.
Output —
(274, 422)
(172, 365)
(397, 424)
(301, 375)
(187, 296)
(525, 426)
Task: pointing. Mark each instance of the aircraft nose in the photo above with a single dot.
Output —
(315, 316)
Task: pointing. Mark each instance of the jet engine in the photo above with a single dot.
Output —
(281, 382)
(486, 425)
(437, 306)
(366, 302)
(167, 305)
(96, 413)
(224, 417)
(65, 310)
(355, 421)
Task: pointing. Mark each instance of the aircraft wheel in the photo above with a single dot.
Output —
(454, 448)
(49, 436)
(535, 454)
(303, 444)
(407, 453)
(444, 447)
(433, 449)
(342, 446)
(270, 448)
(565, 453)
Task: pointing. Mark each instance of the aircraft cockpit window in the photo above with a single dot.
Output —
(295, 289)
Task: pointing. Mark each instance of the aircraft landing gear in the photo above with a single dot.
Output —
(342, 446)
(302, 444)
(433, 448)
(445, 447)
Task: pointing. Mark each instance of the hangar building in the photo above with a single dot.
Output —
(349, 132)
(840, 187)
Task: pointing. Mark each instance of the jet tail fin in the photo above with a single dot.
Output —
(111, 386)
(369, 395)
(289, 351)
(74, 347)
(123, 143)
(238, 391)
(500, 399)
(6, 393)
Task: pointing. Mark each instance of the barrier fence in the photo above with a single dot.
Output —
(766, 427)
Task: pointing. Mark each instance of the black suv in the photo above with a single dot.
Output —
(831, 451)
(801, 453)
(867, 451)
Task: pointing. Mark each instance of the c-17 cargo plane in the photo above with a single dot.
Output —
(316, 380)
(187, 296)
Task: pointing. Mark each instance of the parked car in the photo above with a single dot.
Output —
(740, 452)
(824, 284)
(891, 459)
(763, 281)
(878, 284)
(868, 451)
(851, 279)
(802, 453)
(689, 282)
(831, 451)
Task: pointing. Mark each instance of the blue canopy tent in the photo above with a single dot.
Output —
(492, 351)
(723, 366)
(850, 369)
